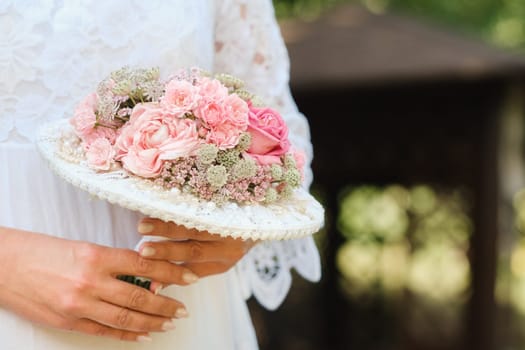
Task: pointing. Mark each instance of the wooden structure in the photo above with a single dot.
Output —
(393, 101)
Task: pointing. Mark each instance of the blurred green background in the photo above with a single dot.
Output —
(501, 22)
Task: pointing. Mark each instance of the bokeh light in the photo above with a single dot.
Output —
(405, 239)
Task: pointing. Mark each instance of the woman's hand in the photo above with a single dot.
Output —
(201, 252)
(71, 285)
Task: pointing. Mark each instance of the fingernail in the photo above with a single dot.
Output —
(168, 326)
(144, 339)
(145, 227)
(147, 251)
(189, 277)
(158, 289)
(181, 313)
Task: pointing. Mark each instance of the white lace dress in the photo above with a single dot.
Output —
(52, 53)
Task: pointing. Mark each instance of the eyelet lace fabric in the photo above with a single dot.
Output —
(54, 52)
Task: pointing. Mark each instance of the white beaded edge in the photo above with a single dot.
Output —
(297, 217)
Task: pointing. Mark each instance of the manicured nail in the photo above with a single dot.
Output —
(168, 326)
(181, 313)
(145, 227)
(189, 277)
(147, 251)
(158, 289)
(144, 339)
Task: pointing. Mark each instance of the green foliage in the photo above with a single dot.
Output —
(501, 22)
(303, 8)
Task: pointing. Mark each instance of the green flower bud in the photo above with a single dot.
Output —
(219, 199)
(245, 140)
(228, 158)
(122, 88)
(276, 171)
(216, 175)
(292, 177)
(286, 192)
(152, 73)
(245, 95)
(230, 81)
(289, 161)
(243, 169)
(257, 101)
(271, 195)
(207, 154)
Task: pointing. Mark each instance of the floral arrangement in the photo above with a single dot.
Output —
(198, 133)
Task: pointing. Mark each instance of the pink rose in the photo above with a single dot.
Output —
(84, 122)
(269, 135)
(180, 97)
(100, 154)
(151, 137)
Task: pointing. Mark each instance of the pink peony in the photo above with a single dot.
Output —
(100, 154)
(269, 135)
(152, 137)
(84, 122)
(180, 97)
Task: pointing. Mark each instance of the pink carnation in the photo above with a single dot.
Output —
(212, 89)
(180, 97)
(223, 121)
(151, 137)
(100, 154)
(236, 111)
(269, 135)
(84, 122)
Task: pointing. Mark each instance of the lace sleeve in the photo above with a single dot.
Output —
(249, 45)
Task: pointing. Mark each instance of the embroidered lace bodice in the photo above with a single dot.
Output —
(53, 52)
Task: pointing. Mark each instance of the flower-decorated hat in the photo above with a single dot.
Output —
(196, 149)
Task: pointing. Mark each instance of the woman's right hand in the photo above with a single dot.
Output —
(72, 285)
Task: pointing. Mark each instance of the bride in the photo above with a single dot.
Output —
(60, 250)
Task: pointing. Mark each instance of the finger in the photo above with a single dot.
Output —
(128, 320)
(90, 327)
(139, 299)
(194, 251)
(156, 227)
(128, 262)
(209, 268)
(42, 314)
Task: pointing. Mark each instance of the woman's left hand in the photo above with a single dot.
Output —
(202, 252)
